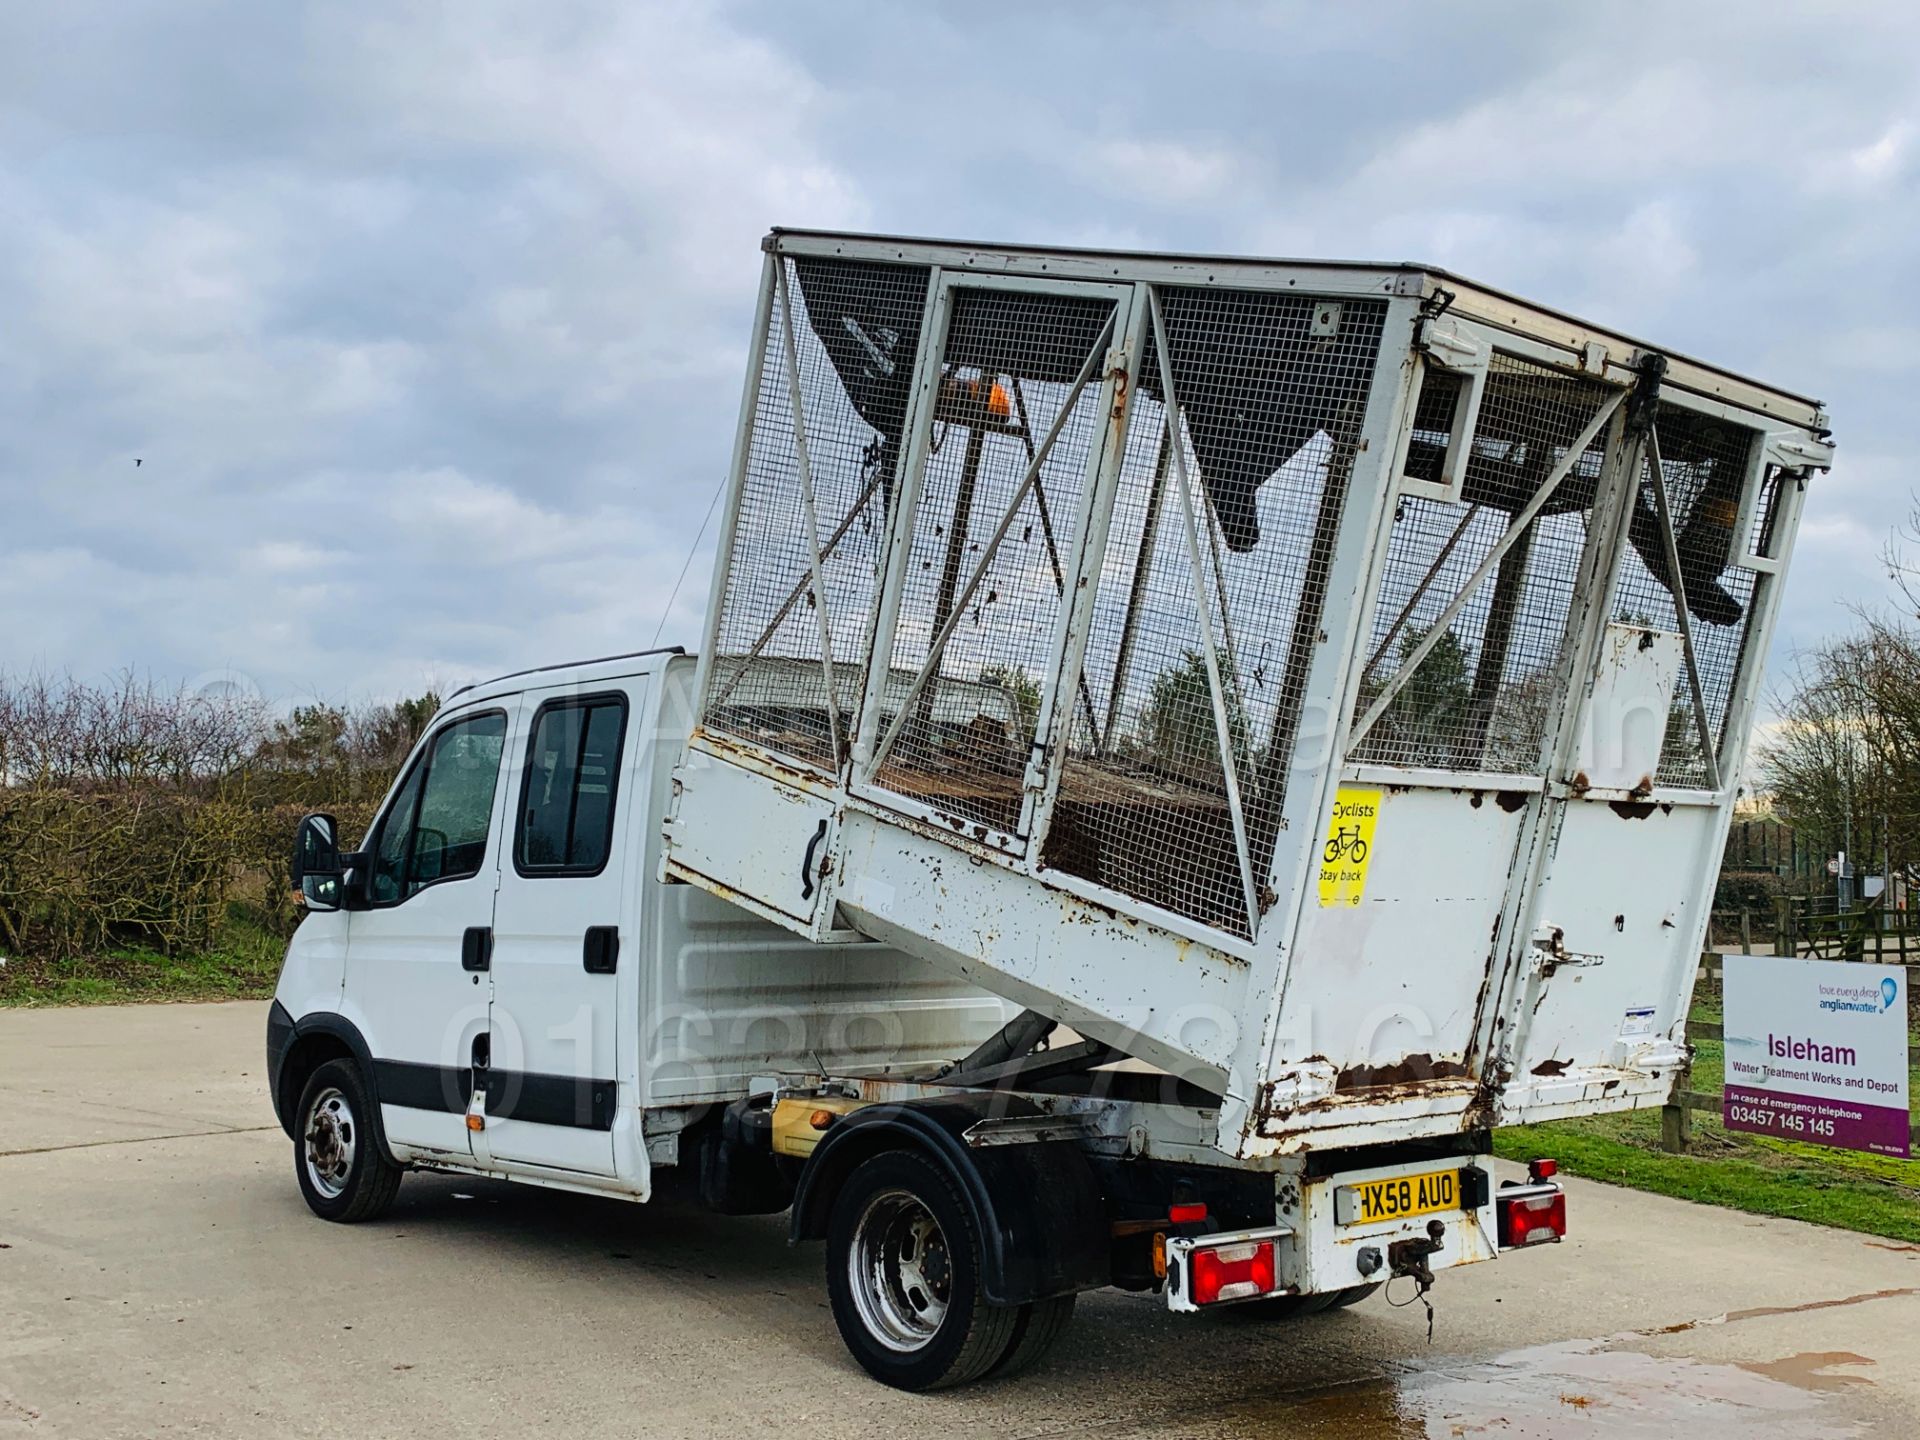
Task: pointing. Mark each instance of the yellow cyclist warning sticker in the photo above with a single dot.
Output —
(1343, 859)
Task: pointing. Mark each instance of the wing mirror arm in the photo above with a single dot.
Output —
(325, 878)
(353, 879)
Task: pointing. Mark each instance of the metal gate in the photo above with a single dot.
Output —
(1017, 424)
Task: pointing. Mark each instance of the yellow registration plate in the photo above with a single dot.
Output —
(1372, 1201)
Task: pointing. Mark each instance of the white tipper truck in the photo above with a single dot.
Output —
(1182, 748)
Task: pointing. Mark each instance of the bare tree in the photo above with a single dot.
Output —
(1845, 758)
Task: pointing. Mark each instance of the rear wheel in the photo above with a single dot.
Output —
(1034, 1331)
(903, 1274)
(344, 1173)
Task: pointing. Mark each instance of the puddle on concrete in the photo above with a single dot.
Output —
(1814, 1370)
(1580, 1388)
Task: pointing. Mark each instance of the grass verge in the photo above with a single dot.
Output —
(243, 966)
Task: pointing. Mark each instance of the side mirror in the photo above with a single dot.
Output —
(316, 865)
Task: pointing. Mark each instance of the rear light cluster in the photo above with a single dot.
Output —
(1233, 1272)
(1534, 1213)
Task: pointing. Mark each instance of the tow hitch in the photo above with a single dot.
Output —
(1409, 1258)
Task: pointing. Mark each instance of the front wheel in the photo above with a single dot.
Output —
(344, 1173)
(903, 1274)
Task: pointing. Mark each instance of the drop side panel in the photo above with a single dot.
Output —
(1390, 968)
(1625, 889)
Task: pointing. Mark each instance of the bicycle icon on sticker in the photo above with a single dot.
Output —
(1345, 843)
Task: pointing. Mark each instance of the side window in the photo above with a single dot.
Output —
(437, 827)
(389, 881)
(573, 776)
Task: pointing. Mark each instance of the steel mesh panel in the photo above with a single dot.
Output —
(1271, 414)
(1705, 462)
(856, 328)
(1482, 697)
(1010, 364)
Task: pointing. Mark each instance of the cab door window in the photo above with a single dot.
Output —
(436, 828)
(573, 776)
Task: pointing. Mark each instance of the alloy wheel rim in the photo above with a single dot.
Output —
(901, 1271)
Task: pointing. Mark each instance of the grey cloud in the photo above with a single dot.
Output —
(428, 322)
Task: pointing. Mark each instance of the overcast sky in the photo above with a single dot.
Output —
(426, 322)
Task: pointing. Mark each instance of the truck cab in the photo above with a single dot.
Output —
(520, 990)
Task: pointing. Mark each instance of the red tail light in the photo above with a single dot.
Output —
(1531, 1215)
(1233, 1272)
(1539, 1170)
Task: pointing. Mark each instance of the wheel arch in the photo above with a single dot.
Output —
(1036, 1205)
(314, 1040)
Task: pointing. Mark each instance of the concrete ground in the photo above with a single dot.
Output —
(159, 1275)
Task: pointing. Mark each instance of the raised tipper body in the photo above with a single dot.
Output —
(1328, 683)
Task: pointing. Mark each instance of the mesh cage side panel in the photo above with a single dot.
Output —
(1705, 462)
(856, 328)
(1271, 415)
(1481, 698)
(1010, 363)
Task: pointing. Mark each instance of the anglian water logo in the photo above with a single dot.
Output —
(1861, 999)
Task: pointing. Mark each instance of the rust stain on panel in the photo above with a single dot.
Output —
(1410, 1072)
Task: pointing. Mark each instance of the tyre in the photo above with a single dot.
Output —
(1035, 1329)
(903, 1275)
(344, 1172)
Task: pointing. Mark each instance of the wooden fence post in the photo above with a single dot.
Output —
(1676, 1123)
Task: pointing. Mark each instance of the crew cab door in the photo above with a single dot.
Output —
(415, 981)
(559, 945)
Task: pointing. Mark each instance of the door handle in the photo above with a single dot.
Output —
(476, 948)
(806, 862)
(600, 953)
